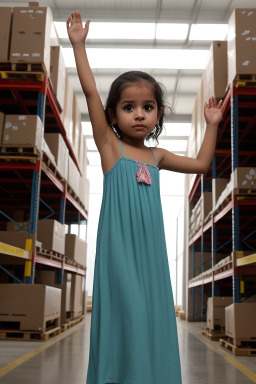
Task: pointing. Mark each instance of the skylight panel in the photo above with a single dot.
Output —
(208, 32)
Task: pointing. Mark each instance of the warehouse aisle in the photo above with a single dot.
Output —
(64, 359)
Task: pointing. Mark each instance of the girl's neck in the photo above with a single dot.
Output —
(133, 143)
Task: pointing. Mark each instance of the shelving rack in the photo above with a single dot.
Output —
(28, 182)
(231, 228)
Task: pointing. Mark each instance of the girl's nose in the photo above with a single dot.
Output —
(140, 113)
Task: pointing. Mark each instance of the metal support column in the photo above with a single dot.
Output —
(234, 165)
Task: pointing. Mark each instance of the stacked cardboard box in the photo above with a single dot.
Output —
(241, 43)
(5, 32)
(51, 234)
(30, 305)
(240, 321)
(23, 130)
(58, 75)
(244, 177)
(218, 186)
(76, 249)
(59, 150)
(216, 312)
(30, 35)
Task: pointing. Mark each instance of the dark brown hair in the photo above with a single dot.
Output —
(115, 94)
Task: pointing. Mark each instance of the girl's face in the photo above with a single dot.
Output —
(136, 112)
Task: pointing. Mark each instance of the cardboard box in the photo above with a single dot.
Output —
(66, 114)
(216, 71)
(77, 295)
(30, 41)
(218, 186)
(1, 126)
(73, 176)
(216, 311)
(48, 152)
(52, 235)
(45, 277)
(244, 177)
(59, 150)
(58, 75)
(241, 43)
(30, 305)
(240, 321)
(206, 203)
(84, 191)
(23, 130)
(77, 127)
(5, 30)
(16, 239)
(76, 249)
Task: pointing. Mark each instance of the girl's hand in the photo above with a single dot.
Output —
(76, 32)
(213, 112)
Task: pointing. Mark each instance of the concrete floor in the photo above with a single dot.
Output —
(64, 359)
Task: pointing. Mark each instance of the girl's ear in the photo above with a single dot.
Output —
(161, 110)
(112, 116)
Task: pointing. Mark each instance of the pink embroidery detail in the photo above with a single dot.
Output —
(143, 174)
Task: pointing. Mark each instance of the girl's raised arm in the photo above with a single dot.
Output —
(77, 36)
(200, 165)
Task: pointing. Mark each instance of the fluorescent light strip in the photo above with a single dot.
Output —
(141, 58)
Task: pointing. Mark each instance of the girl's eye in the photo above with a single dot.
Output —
(128, 108)
(148, 107)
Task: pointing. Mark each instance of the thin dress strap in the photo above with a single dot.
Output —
(154, 155)
(121, 147)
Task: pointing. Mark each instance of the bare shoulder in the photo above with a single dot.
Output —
(160, 153)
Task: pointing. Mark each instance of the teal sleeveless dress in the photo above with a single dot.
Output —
(133, 336)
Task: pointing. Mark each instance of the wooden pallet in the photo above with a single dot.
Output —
(20, 71)
(245, 80)
(213, 335)
(49, 254)
(75, 197)
(28, 335)
(223, 268)
(19, 150)
(72, 323)
(238, 351)
(52, 167)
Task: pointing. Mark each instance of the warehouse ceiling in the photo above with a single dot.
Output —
(181, 83)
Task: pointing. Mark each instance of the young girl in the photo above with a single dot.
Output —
(133, 337)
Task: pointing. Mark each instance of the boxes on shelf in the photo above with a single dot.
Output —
(240, 320)
(5, 32)
(77, 127)
(30, 36)
(207, 262)
(76, 249)
(66, 114)
(51, 234)
(216, 71)
(191, 150)
(59, 150)
(241, 43)
(77, 295)
(216, 311)
(48, 152)
(73, 176)
(218, 186)
(1, 126)
(16, 239)
(30, 305)
(84, 189)
(45, 277)
(244, 177)
(66, 298)
(58, 75)
(85, 158)
(23, 130)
